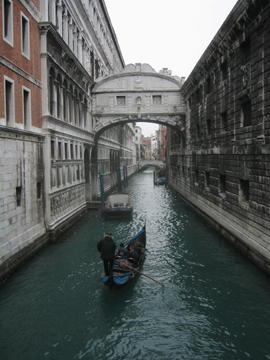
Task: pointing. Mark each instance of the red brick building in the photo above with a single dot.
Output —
(21, 141)
(20, 71)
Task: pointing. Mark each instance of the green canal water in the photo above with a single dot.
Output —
(216, 305)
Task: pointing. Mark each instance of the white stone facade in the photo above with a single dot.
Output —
(21, 195)
(50, 159)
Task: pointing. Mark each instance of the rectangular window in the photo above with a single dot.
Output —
(157, 99)
(224, 122)
(66, 150)
(224, 70)
(39, 190)
(25, 36)
(198, 131)
(8, 21)
(245, 51)
(222, 183)
(197, 96)
(64, 176)
(9, 102)
(208, 86)
(196, 177)
(244, 191)
(207, 178)
(52, 150)
(26, 108)
(120, 100)
(71, 151)
(208, 124)
(19, 195)
(59, 150)
(59, 176)
(246, 113)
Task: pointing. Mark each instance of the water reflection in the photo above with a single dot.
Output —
(215, 305)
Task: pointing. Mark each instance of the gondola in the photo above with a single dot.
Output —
(124, 270)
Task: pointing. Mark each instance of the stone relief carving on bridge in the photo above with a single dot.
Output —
(138, 80)
(138, 100)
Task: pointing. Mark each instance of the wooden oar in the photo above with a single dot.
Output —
(141, 273)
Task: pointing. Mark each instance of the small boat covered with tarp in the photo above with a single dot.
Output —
(160, 181)
(126, 266)
(118, 206)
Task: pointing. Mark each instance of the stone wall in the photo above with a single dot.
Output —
(221, 166)
(22, 197)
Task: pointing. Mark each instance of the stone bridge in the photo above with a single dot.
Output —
(151, 163)
(138, 94)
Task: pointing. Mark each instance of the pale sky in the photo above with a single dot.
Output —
(169, 34)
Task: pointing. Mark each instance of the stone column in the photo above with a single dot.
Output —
(70, 39)
(65, 26)
(44, 73)
(67, 105)
(61, 109)
(44, 6)
(54, 98)
(79, 46)
(52, 9)
(84, 54)
(59, 17)
(75, 41)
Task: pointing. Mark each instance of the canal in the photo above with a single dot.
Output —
(215, 305)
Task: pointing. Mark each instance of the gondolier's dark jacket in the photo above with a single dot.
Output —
(106, 247)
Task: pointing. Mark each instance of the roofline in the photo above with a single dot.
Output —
(114, 37)
(223, 31)
(136, 73)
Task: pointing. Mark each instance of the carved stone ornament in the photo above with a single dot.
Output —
(138, 100)
(245, 70)
(138, 80)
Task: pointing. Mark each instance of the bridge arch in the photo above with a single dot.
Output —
(138, 94)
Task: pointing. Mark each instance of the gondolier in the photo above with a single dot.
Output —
(124, 269)
(106, 247)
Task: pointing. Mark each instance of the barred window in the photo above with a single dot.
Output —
(120, 100)
(156, 99)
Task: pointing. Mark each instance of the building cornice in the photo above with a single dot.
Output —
(33, 11)
(234, 27)
(20, 71)
(48, 27)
